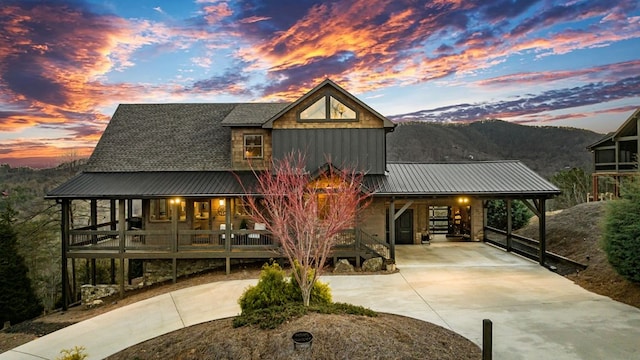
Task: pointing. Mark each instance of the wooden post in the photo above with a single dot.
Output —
(227, 234)
(487, 339)
(542, 229)
(122, 224)
(94, 238)
(356, 236)
(64, 228)
(112, 214)
(392, 228)
(509, 225)
(175, 215)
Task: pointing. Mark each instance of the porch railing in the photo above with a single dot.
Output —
(102, 237)
(374, 244)
(363, 243)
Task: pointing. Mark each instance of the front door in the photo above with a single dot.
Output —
(404, 228)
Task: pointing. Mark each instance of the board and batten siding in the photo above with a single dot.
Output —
(360, 148)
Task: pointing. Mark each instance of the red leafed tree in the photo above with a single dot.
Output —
(305, 212)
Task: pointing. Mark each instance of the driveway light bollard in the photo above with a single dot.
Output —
(487, 339)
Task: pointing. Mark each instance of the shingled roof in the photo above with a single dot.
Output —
(253, 114)
(165, 137)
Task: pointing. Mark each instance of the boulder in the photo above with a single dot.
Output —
(372, 265)
(343, 266)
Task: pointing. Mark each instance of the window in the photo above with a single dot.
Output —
(160, 210)
(340, 111)
(328, 108)
(253, 146)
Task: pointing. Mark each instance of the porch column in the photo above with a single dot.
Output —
(227, 234)
(392, 228)
(112, 214)
(94, 238)
(112, 219)
(543, 229)
(509, 225)
(64, 230)
(175, 214)
(122, 225)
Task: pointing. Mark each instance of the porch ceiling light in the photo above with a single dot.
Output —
(175, 201)
(463, 200)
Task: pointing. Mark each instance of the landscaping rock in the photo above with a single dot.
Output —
(372, 265)
(343, 266)
(91, 295)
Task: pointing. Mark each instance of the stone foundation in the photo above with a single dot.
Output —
(156, 271)
(92, 294)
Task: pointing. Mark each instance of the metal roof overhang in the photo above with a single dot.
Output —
(492, 179)
(161, 184)
(506, 179)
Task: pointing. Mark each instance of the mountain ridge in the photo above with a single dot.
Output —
(545, 149)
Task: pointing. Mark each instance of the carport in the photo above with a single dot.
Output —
(414, 186)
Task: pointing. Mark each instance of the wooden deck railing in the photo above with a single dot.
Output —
(102, 238)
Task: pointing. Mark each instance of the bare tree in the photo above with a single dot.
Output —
(306, 212)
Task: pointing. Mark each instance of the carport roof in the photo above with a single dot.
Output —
(491, 179)
(480, 178)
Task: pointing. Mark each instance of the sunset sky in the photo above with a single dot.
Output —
(65, 65)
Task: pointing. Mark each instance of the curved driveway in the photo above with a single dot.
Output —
(536, 314)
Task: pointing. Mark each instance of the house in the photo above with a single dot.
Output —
(155, 161)
(615, 156)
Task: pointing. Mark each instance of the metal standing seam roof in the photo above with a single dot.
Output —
(154, 184)
(491, 178)
(494, 178)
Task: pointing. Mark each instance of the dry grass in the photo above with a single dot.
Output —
(334, 337)
(576, 234)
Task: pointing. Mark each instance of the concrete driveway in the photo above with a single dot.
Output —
(536, 314)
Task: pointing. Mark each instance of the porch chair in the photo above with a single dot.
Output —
(258, 227)
(223, 227)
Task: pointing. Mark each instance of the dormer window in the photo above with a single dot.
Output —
(253, 146)
(328, 108)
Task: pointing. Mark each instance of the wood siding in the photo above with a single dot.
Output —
(237, 149)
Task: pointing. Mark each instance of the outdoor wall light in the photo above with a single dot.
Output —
(175, 201)
(221, 202)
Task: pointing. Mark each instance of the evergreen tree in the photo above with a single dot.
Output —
(621, 235)
(18, 302)
(497, 214)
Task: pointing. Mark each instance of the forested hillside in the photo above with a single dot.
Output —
(37, 223)
(546, 150)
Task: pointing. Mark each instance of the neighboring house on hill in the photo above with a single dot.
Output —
(155, 161)
(615, 156)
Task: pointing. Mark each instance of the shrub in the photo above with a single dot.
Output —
(320, 292)
(270, 318)
(77, 353)
(497, 214)
(276, 299)
(272, 290)
(621, 235)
